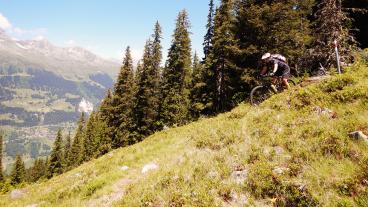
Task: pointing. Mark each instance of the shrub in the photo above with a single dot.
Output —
(338, 83)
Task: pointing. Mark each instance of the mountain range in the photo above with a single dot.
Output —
(44, 87)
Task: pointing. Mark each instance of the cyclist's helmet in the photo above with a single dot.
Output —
(266, 56)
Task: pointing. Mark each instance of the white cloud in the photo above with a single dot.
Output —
(19, 33)
(4, 22)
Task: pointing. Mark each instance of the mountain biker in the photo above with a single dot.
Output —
(276, 66)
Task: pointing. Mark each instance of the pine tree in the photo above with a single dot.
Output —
(18, 173)
(1, 159)
(56, 166)
(89, 144)
(156, 57)
(124, 102)
(145, 123)
(106, 108)
(90, 141)
(331, 24)
(358, 12)
(223, 76)
(207, 44)
(177, 75)
(37, 171)
(197, 91)
(148, 89)
(77, 152)
(102, 136)
(281, 27)
(67, 150)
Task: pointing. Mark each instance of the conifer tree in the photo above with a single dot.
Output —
(137, 73)
(102, 136)
(67, 150)
(177, 75)
(18, 173)
(106, 108)
(331, 24)
(77, 152)
(37, 171)
(1, 159)
(272, 26)
(148, 89)
(223, 76)
(145, 123)
(207, 44)
(56, 166)
(197, 91)
(124, 102)
(105, 113)
(89, 143)
(156, 58)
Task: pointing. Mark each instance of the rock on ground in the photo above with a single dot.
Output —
(124, 168)
(239, 176)
(149, 167)
(17, 193)
(358, 135)
(280, 170)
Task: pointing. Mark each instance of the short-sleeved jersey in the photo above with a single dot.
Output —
(282, 68)
(281, 65)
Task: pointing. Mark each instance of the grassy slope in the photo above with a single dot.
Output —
(317, 163)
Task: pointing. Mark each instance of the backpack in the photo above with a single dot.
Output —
(279, 57)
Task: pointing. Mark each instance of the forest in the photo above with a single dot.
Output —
(154, 96)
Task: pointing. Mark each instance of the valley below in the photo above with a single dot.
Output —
(44, 88)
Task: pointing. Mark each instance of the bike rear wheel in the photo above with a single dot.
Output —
(292, 82)
(259, 94)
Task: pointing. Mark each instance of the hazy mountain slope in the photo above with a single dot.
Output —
(42, 87)
(39, 79)
(72, 63)
(293, 150)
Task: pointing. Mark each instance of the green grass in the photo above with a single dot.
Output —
(320, 165)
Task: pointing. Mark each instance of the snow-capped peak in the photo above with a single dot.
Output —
(85, 106)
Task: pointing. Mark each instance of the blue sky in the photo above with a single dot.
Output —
(104, 27)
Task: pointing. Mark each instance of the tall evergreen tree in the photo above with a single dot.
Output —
(271, 26)
(156, 58)
(148, 89)
(207, 44)
(67, 149)
(18, 173)
(77, 152)
(56, 166)
(106, 108)
(177, 74)
(89, 141)
(124, 102)
(197, 92)
(102, 136)
(331, 24)
(358, 12)
(143, 113)
(223, 76)
(37, 171)
(1, 159)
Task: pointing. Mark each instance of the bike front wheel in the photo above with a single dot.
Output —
(259, 94)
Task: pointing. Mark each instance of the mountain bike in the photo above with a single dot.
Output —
(264, 91)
